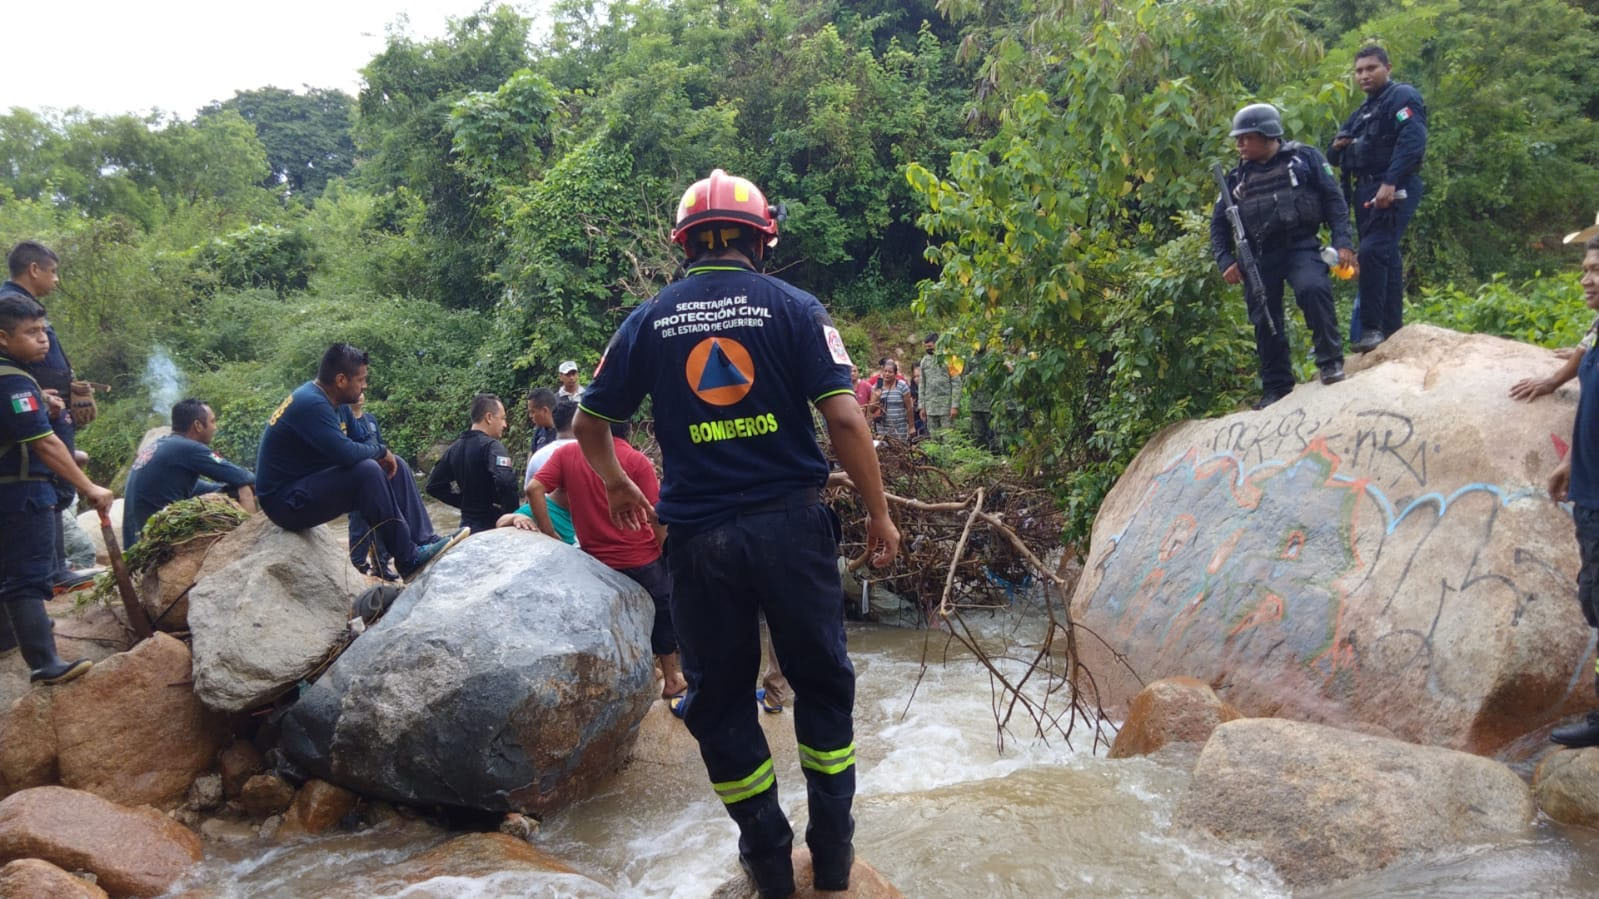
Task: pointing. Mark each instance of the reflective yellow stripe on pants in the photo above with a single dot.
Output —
(761, 780)
(831, 762)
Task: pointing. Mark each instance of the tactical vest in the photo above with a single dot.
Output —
(1375, 134)
(24, 473)
(1279, 202)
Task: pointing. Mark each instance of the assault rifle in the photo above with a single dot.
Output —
(1254, 288)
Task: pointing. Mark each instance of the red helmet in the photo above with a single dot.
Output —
(724, 198)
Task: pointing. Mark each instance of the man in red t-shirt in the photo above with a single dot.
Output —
(635, 553)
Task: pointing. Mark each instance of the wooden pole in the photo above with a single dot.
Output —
(137, 619)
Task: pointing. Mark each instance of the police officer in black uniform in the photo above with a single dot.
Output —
(475, 473)
(1381, 148)
(1285, 192)
(734, 360)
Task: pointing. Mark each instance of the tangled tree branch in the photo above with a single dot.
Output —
(969, 550)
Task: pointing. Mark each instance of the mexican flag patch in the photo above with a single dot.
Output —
(24, 402)
(1403, 115)
(1327, 167)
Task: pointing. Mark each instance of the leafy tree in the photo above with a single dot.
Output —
(307, 137)
(404, 131)
(1073, 244)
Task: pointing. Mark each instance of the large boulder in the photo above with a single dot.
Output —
(270, 607)
(164, 591)
(130, 730)
(1323, 804)
(130, 851)
(1174, 710)
(1379, 554)
(1566, 785)
(511, 677)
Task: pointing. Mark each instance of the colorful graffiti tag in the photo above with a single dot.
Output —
(1255, 549)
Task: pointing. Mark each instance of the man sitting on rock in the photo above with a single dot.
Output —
(29, 452)
(635, 553)
(556, 502)
(1577, 479)
(309, 472)
(475, 475)
(367, 553)
(177, 467)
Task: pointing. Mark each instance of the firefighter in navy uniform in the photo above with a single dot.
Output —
(1285, 192)
(734, 359)
(1381, 148)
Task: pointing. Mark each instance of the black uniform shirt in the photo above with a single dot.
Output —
(1314, 174)
(476, 477)
(24, 419)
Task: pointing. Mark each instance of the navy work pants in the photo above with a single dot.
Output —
(409, 500)
(1382, 270)
(656, 579)
(779, 559)
(321, 497)
(27, 560)
(1587, 520)
(1303, 270)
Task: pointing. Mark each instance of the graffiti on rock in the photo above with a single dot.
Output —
(1286, 540)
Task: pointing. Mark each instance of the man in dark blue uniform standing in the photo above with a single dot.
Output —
(1577, 479)
(1381, 147)
(35, 272)
(177, 467)
(31, 457)
(309, 472)
(733, 359)
(1285, 192)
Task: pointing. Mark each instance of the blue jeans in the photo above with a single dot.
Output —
(778, 558)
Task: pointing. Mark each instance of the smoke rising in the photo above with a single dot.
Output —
(163, 380)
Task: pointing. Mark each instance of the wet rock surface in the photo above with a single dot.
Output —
(1378, 554)
(864, 882)
(131, 851)
(511, 677)
(1173, 710)
(1323, 804)
(27, 878)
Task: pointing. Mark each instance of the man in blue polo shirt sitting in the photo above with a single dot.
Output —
(178, 466)
(309, 471)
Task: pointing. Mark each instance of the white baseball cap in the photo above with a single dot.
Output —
(567, 366)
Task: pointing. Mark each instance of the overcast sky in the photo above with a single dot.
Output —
(178, 55)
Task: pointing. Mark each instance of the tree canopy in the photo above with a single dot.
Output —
(1029, 178)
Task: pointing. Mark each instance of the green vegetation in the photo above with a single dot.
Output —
(1028, 177)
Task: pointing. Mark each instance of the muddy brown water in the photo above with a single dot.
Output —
(942, 811)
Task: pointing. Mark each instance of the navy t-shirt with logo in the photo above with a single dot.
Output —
(733, 360)
(24, 419)
(1584, 487)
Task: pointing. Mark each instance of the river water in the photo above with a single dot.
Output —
(942, 811)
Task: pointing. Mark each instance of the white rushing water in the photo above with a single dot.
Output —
(941, 811)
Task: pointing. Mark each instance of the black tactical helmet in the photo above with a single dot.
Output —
(1262, 118)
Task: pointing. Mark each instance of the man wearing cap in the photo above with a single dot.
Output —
(569, 386)
(940, 390)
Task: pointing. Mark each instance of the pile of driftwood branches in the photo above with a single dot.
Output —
(968, 549)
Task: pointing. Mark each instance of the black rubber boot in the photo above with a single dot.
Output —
(773, 875)
(1583, 733)
(36, 633)
(831, 867)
